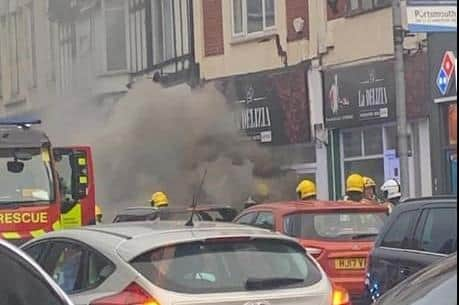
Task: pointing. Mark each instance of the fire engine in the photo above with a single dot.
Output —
(42, 188)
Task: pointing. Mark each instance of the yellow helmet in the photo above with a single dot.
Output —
(98, 210)
(306, 189)
(368, 182)
(262, 190)
(355, 183)
(159, 199)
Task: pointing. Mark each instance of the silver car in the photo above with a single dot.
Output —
(167, 263)
(23, 282)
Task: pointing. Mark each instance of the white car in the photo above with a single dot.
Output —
(23, 282)
(168, 263)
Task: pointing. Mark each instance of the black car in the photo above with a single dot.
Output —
(418, 233)
(137, 214)
(202, 213)
(23, 282)
(435, 285)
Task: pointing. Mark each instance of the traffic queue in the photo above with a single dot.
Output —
(307, 251)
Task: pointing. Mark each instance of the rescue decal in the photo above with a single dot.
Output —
(23, 218)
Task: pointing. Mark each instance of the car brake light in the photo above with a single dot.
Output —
(314, 252)
(132, 295)
(340, 296)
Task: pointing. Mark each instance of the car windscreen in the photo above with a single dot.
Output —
(25, 176)
(228, 265)
(334, 226)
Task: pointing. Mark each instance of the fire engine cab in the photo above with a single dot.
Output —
(42, 188)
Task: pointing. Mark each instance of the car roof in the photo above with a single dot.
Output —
(135, 211)
(131, 239)
(416, 203)
(432, 199)
(317, 205)
(11, 137)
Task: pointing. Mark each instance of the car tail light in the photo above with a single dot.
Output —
(314, 252)
(340, 296)
(132, 295)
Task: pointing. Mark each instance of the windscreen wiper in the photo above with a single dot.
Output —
(271, 283)
(365, 235)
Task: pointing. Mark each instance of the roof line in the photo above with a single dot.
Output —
(127, 237)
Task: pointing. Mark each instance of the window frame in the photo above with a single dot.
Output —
(254, 216)
(360, 10)
(127, 54)
(407, 242)
(421, 230)
(254, 221)
(244, 32)
(46, 263)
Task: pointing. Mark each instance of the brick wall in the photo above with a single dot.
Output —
(417, 88)
(295, 9)
(213, 27)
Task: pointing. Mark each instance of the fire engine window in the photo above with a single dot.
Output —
(64, 171)
(25, 176)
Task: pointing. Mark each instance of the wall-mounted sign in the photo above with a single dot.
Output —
(443, 66)
(432, 15)
(270, 107)
(359, 95)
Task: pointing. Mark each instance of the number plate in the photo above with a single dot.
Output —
(350, 263)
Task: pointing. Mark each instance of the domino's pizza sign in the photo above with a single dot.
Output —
(446, 72)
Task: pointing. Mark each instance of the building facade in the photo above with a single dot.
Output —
(359, 97)
(260, 55)
(443, 105)
(26, 73)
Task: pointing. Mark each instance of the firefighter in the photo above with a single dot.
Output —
(354, 188)
(369, 192)
(306, 190)
(99, 214)
(159, 200)
(261, 192)
(392, 191)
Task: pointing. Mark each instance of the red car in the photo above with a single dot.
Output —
(340, 235)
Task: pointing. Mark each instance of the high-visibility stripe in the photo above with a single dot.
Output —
(37, 233)
(57, 226)
(11, 235)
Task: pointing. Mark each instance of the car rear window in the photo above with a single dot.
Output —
(334, 226)
(134, 218)
(229, 265)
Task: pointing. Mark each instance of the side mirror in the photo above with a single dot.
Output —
(79, 164)
(15, 167)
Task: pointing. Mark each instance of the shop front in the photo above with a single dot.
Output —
(360, 113)
(443, 84)
(272, 109)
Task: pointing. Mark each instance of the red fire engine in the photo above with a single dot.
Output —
(42, 188)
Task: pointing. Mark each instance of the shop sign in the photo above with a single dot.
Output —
(270, 108)
(359, 95)
(443, 66)
(432, 16)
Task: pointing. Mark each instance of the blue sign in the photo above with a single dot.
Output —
(443, 82)
(430, 16)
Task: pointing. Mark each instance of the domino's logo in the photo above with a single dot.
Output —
(446, 72)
